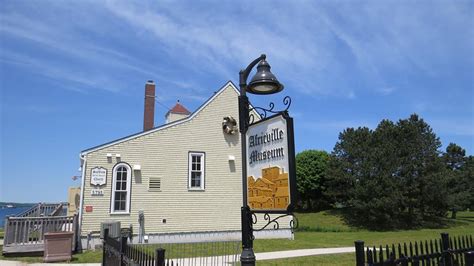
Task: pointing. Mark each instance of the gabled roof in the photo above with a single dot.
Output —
(260, 199)
(264, 180)
(179, 109)
(177, 122)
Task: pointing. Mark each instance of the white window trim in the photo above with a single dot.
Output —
(129, 184)
(203, 169)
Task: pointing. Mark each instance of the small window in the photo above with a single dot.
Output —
(121, 183)
(196, 171)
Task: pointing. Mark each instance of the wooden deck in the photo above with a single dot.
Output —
(26, 234)
(23, 248)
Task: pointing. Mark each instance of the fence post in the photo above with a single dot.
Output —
(360, 255)
(469, 258)
(123, 248)
(130, 233)
(104, 243)
(446, 249)
(6, 237)
(159, 257)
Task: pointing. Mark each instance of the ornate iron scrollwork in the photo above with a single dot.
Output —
(264, 112)
(276, 225)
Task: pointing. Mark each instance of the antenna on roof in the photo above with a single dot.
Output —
(167, 108)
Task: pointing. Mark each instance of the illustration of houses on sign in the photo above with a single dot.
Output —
(270, 191)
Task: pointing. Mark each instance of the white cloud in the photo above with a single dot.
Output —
(66, 50)
(311, 45)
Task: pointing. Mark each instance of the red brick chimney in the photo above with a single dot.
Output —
(149, 113)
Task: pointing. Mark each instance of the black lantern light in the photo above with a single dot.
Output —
(264, 82)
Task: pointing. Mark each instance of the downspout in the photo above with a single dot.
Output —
(83, 159)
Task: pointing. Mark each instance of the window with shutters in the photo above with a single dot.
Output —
(121, 184)
(196, 171)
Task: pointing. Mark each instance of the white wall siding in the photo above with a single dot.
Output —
(164, 153)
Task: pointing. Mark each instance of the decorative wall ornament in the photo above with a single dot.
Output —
(229, 125)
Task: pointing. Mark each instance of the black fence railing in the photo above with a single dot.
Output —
(117, 252)
(202, 253)
(447, 251)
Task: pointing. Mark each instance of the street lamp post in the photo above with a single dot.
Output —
(264, 82)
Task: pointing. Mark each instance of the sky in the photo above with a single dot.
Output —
(72, 73)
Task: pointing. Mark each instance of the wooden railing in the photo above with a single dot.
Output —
(43, 209)
(26, 234)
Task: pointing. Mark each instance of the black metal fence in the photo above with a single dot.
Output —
(117, 252)
(447, 251)
(203, 253)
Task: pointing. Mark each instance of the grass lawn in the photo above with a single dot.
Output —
(325, 229)
(337, 259)
(86, 257)
(1, 233)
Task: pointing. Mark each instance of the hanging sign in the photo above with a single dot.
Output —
(98, 176)
(271, 174)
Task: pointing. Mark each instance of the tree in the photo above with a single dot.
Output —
(311, 168)
(391, 177)
(468, 171)
(459, 178)
(421, 171)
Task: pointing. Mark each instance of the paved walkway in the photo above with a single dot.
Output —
(216, 260)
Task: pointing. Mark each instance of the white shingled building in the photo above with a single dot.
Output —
(184, 177)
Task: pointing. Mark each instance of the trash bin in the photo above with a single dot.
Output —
(58, 246)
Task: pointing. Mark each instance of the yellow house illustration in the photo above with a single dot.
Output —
(270, 191)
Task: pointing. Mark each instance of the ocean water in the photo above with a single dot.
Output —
(10, 211)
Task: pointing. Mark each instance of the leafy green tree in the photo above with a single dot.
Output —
(311, 168)
(391, 177)
(460, 180)
(346, 166)
(421, 171)
(468, 171)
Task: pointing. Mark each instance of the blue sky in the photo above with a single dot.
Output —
(72, 73)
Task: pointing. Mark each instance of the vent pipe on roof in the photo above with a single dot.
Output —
(149, 113)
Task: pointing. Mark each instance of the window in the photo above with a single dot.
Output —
(121, 184)
(196, 170)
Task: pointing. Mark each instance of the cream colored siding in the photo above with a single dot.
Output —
(164, 154)
(171, 117)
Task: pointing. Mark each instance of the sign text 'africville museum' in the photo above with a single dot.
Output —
(270, 164)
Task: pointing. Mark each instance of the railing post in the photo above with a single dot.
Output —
(7, 233)
(76, 233)
(446, 249)
(104, 244)
(123, 248)
(360, 256)
(404, 261)
(159, 257)
(469, 258)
